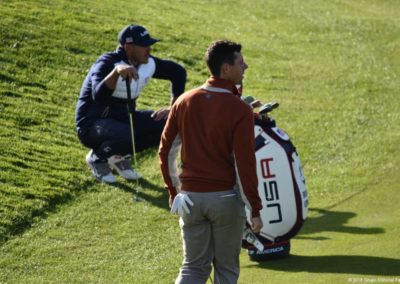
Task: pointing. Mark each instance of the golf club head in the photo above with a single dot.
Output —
(268, 108)
(248, 99)
(136, 199)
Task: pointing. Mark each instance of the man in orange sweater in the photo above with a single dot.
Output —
(215, 130)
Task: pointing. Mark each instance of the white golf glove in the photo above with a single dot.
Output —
(180, 203)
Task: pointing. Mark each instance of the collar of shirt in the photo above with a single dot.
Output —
(220, 85)
(121, 52)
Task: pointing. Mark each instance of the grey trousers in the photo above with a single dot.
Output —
(212, 234)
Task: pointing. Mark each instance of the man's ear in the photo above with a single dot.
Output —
(127, 46)
(224, 69)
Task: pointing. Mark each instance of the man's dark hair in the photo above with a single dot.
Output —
(220, 52)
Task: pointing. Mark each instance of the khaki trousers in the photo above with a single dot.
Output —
(212, 234)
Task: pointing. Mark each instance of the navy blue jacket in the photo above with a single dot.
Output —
(96, 100)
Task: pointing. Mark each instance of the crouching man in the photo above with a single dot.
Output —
(102, 119)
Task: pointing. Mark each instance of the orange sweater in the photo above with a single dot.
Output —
(216, 130)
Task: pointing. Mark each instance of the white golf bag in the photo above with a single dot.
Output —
(282, 189)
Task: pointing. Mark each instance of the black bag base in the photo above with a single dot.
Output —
(270, 252)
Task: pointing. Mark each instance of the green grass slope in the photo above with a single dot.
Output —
(332, 65)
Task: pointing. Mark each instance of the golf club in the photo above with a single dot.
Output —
(131, 111)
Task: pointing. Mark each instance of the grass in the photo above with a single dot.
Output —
(332, 65)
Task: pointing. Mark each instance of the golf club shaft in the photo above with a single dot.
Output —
(131, 111)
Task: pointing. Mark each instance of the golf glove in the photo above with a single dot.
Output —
(180, 204)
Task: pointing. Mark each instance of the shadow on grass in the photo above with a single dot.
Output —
(333, 221)
(10, 79)
(24, 223)
(344, 264)
(146, 192)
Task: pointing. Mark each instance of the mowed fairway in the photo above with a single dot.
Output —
(333, 66)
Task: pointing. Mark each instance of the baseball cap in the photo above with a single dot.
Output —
(137, 35)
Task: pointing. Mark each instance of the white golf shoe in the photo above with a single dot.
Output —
(100, 170)
(122, 165)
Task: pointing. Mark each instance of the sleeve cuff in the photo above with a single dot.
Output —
(255, 213)
(172, 191)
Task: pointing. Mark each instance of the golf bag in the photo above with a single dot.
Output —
(282, 189)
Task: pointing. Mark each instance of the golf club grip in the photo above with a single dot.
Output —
(129, 95)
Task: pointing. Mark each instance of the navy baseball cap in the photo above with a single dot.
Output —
(137, 35)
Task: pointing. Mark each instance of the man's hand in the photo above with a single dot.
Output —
(161, 114)
(180, 204)
(256, 224)
(127, 72)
